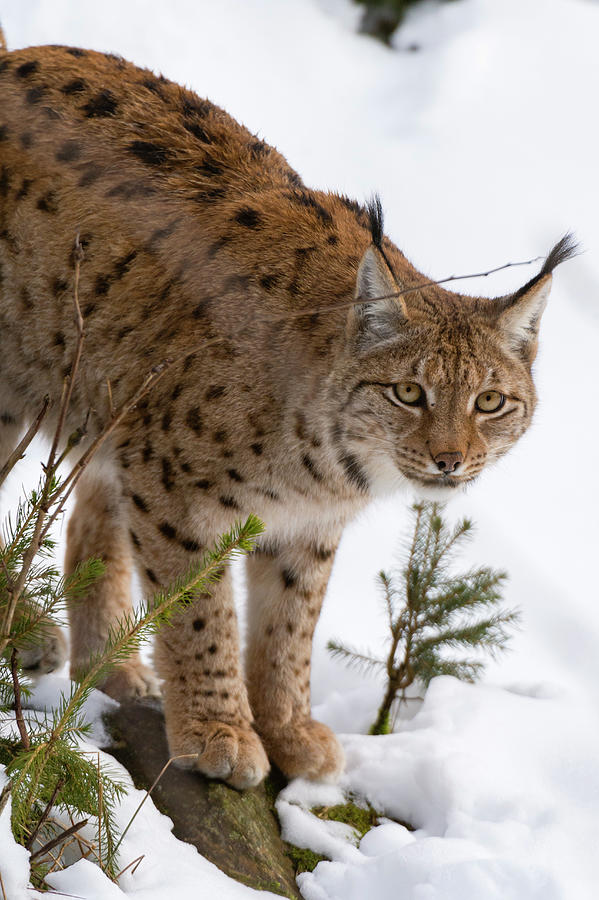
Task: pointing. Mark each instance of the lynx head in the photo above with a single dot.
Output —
(440, 382)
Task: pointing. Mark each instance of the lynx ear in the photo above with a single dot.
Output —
(381, 312)
(521, 316)
(520, 313)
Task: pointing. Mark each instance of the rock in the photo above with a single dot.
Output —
(236, 830)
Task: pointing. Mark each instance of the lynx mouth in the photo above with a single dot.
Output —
(441, 487)
(441, 481)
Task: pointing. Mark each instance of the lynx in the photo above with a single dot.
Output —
(315, 368)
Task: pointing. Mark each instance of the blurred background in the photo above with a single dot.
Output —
(476, 121)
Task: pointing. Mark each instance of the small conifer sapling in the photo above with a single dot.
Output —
(434, 616)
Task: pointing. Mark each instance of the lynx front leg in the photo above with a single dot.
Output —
(98, 528)
(205, 699)
(286, 589)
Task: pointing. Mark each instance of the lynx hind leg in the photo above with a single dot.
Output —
(49, 655)
(98, 528)
(286, 586)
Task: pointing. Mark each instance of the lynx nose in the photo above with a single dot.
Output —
(448, 462)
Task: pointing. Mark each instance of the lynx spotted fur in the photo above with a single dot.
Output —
(286, 400)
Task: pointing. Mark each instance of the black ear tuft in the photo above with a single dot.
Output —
(566, 248)
(374, 208)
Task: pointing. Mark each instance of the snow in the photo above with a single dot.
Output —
(484, 147)
(169, 869)
(496, 791)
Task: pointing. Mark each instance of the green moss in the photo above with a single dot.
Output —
(303, 860)
(359, 817)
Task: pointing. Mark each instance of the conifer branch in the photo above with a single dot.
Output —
(438, 615)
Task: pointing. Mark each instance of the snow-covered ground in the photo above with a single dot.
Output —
(483, 144)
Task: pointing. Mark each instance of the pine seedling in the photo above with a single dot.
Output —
(433, 615)
(45, 764)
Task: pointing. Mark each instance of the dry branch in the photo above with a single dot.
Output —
(19, 451)
(58, 840)
(48, 809)
(18, 707)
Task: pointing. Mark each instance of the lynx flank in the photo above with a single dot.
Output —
(202, 245)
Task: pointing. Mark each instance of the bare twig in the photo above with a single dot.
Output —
(19, 451)
(71, 377)
(55, 893)
(47, 498)
(81, 841)
(61, 894)
(59, 786)
(276, 317)
(57, 859)
(58, 839)
(57, 498)
(2, 886)
(134, 862)
(65, 489)
(147, 794)
(17, 692)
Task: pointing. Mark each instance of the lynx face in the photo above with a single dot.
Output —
(441, 385)
(438, 404)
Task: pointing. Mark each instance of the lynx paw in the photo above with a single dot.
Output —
(229, 752)
(306, 749)
(131, 681)
(47, 656)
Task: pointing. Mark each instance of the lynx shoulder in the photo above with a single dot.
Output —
(311, 372)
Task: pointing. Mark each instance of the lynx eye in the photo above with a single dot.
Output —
(489, 401)
(408, 392)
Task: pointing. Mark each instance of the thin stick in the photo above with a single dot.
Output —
(61, 894)
(99, 813)
(61, 852)
(66, 488)
(70, 379)
(45, 814)
(19, 451)
(46, 498)
(58, 839)
(147, 794)
(134, 862)
(17, 692)
(2, 886)
(81, 841)
(348, 304)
